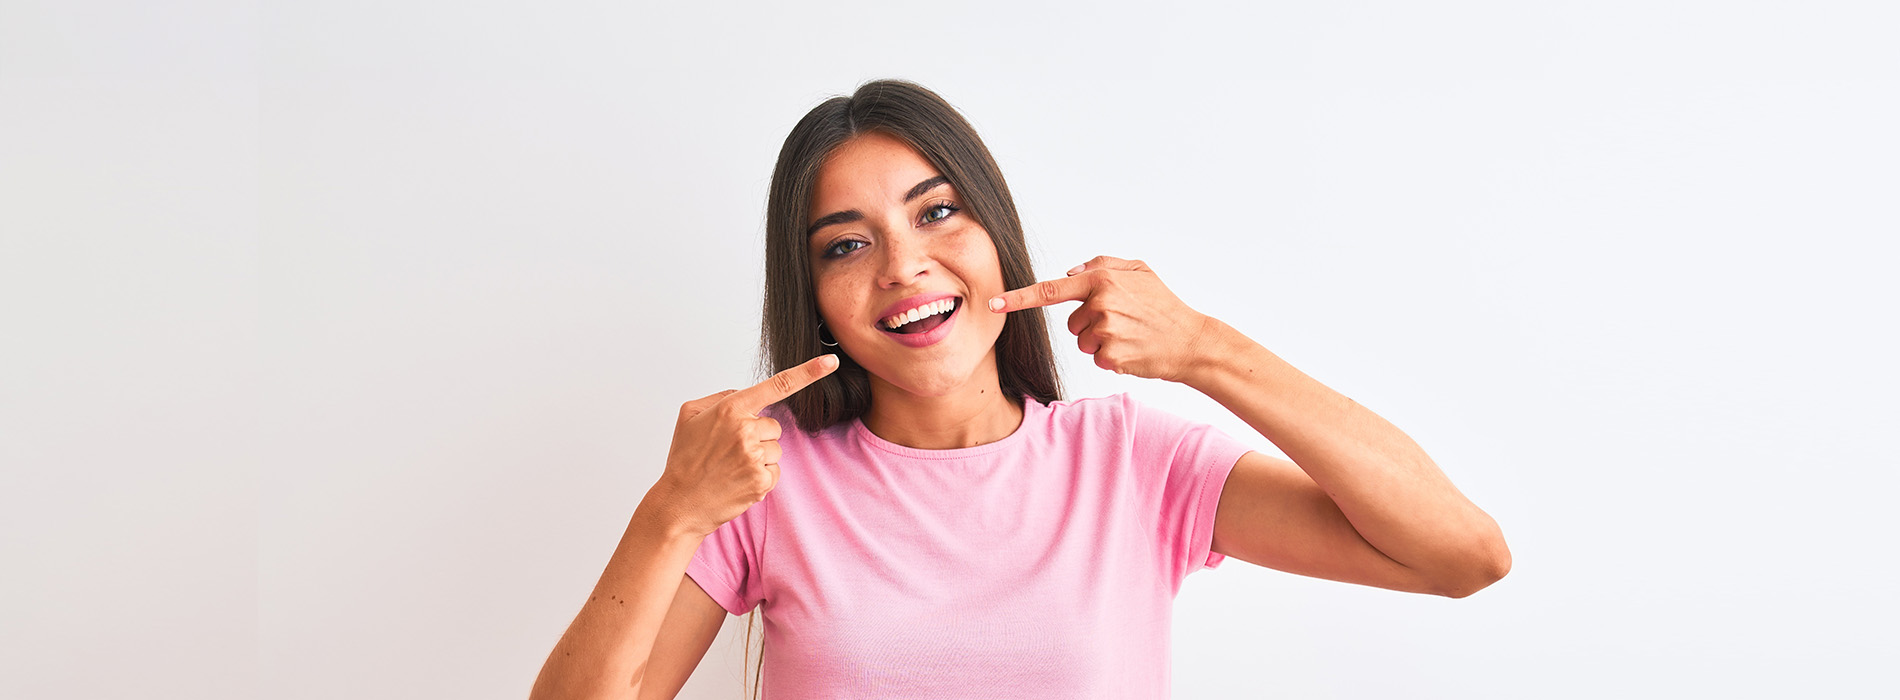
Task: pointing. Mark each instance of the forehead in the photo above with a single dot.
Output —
(870, 170)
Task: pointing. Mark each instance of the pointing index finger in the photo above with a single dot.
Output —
(1043, 293)
(778, 387)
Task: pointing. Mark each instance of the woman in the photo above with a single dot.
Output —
(939, 523)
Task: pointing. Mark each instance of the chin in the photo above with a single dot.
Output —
(932, 386)
(936, 377)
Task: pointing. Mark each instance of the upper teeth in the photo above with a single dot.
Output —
(931, 309)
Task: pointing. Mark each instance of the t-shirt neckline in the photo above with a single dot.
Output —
(1032, 409)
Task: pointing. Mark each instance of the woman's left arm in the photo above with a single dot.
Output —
(1359, 502)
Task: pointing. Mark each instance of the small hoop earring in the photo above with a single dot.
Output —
(821, 336)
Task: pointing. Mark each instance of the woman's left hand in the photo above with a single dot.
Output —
(1128, 320)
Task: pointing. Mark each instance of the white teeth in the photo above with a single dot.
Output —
(911, 316)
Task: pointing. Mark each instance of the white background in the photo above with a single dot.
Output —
(341, 338)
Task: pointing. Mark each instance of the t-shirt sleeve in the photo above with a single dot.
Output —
(726, 565)
(1195, 459)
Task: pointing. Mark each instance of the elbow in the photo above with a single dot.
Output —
(1481, 577)
(1482, 568)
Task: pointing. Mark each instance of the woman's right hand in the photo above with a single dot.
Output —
(724, 456)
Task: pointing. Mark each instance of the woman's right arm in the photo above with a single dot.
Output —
(604, 652)
(723, 460)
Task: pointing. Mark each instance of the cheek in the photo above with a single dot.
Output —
(839, 295)
(983, 275)
(977, 257)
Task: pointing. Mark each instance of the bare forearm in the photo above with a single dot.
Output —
(1392, 492)
(604, 652)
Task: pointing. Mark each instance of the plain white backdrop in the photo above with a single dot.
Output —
(341, 339)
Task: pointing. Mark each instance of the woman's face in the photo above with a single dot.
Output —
(889, 235)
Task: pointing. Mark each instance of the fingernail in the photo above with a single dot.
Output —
(996, 304)
(1077, 268)
(830, 361)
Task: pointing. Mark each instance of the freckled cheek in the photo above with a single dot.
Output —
(977, 264)
(842, 300)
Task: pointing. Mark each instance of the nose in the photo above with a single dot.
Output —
(906, 258)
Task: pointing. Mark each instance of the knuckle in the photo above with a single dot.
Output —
(782, 383)
(1047, 291)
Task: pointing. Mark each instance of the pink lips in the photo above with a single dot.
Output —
(918, 340)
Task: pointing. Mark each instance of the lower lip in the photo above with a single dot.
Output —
(918, 340)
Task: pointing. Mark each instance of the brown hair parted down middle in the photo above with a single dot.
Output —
(789, 331)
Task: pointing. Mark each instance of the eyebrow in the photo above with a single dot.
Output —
(851, 215)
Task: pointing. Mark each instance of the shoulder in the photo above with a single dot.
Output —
(1090, 404)
(1122, 414)
(1115, 413)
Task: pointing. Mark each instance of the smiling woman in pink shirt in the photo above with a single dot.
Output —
(912, 505)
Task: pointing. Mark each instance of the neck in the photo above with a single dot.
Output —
(973, 413)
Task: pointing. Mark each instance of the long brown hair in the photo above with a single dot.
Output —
(1025, 363)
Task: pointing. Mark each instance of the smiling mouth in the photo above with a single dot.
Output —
(923, 323)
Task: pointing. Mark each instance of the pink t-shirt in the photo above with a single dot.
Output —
(1043, 565)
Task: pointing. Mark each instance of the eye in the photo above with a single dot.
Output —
(839, 248)
(946, 208)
